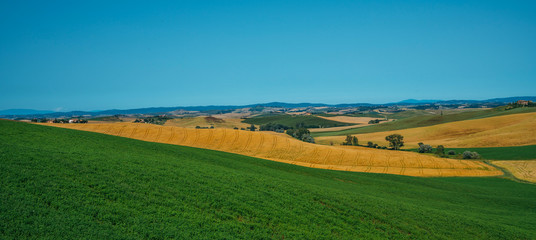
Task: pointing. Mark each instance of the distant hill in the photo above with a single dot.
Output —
(23, 112)
(415, 101)
(14, 113)
(493, 100)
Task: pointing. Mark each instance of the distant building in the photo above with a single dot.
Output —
(523, 102)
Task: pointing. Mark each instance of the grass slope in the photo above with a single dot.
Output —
(293, 120)
(427, 120)
(502, 153)
(60, 183)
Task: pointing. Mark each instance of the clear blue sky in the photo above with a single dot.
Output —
(89, 55)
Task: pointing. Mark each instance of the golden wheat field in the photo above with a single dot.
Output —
(502, 131)
(525, 170)
(281, 148)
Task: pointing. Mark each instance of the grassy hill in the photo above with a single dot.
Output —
(502, 153)
(283, 148)
(500, 131)
(427, 120)
(292, 120)
(61, 183)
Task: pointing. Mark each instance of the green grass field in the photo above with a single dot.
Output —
(502, 153)
(498, 153)
(65, 184)
(292, 120)
(426, 120)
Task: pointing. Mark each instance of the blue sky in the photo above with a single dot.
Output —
(89, 55)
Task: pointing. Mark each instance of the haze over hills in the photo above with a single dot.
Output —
(14, 113)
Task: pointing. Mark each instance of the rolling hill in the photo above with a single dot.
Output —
(282, 148)
(293, 120)
(500, 131)
(427, 120)
(59, 183)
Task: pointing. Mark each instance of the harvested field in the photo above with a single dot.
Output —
(278, 147)
(501, 131)
(203, 121)
(525, 170)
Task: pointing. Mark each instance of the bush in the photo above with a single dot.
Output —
(440, 150)
(470, 155)
(425, 148)
(301, 134)
(451, 152)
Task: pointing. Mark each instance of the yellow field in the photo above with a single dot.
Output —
(502, 131)
(281, 148)
(525, 170)
(192, 122)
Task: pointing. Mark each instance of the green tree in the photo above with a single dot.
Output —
(440, 150)
(252, 128)
(395, 141)
(348, 140)
(354, 141)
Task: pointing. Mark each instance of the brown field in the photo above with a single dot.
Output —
(525, 170)
(502, 131)
(281, 148)
(217, 121)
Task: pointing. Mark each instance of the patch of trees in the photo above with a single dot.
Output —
(159, 120)
(351, 141)
(376, 121)
(301, 134)
(199, 127)
(396, 141)
(440, 152)
(374, 145)
(41, 120)
(275, 127)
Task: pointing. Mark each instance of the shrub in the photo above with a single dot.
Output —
(470, 155)
(440, 150)
(451, 152)
(425, 148)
